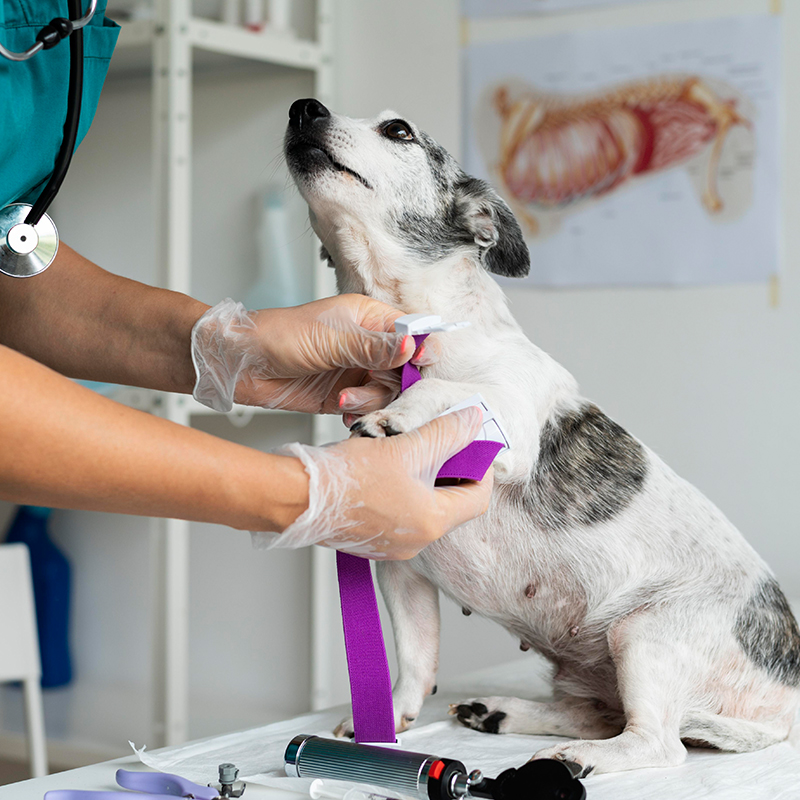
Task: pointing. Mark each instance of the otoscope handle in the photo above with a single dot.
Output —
(418, 775)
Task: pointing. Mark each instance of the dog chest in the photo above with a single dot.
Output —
(496, 573)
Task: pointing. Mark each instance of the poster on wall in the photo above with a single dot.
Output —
(507, 8)
(634, 156)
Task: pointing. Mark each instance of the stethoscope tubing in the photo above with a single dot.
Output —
(35, 246)
(77, 24)
(71, 122)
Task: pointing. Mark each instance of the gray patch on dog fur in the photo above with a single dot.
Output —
(433, 238)
(589, 469)
(468, 208)
(472, 209)
(768, 633)
(443, 166)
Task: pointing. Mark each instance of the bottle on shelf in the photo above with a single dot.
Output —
(259, 15)
(52, 579)
(254, 15)
(278, 282)
(279, 16)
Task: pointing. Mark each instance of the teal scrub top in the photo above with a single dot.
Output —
(33, 93)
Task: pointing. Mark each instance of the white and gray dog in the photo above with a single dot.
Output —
(663, 625)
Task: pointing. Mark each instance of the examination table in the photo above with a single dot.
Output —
(771, 774)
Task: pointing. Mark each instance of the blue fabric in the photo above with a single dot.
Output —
(33, 93)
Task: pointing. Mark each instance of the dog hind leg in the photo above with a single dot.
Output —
(567, 716)
(654, 678)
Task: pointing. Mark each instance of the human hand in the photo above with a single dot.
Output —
(315, 358)
(376, 497)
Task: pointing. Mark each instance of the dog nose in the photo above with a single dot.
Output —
(306, 112)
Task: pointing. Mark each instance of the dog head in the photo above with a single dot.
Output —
(385, 182)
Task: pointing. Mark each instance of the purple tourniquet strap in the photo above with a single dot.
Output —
(472, 462)
(370, 681)
(410, 374)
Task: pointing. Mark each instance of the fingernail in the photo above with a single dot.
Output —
(419, 356)
(354, 399)
(408, 341)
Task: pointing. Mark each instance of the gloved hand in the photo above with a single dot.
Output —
(376, 497)
(301, 358)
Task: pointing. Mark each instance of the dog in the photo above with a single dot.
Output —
(663, 626)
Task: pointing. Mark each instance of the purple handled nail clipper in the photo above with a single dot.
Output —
(158, 786)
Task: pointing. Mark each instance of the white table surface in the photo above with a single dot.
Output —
(770, 774)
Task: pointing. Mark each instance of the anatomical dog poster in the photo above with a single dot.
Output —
(634, 156)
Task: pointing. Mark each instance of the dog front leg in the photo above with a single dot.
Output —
(419, 404)
(413, 604)
(429, 398)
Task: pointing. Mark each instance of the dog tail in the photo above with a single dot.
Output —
(733, 735)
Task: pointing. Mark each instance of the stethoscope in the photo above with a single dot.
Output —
(28, 236)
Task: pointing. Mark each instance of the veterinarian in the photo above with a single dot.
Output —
(64, 446)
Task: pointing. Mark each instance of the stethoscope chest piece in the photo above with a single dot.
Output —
(25, 250)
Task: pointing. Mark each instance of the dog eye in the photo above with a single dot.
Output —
(397, 129)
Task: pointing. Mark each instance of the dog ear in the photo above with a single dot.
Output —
(326, 256)
(487, 219)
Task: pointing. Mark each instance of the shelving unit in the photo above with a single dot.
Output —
(170, 46)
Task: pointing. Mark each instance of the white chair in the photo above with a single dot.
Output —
(19, 646)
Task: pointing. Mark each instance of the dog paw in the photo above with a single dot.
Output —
(402, 722)
(577, 756)
(629, 750)
(382, 423)
(405, 722)
(480, 714)
(345, 729)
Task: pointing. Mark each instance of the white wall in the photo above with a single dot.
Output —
(707, 377)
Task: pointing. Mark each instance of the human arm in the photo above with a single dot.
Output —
(67, 447)
(64, 446)
(85, 322)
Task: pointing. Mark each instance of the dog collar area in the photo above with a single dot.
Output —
(423, 324)
(492, 430)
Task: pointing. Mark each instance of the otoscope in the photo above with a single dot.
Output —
(426, 777)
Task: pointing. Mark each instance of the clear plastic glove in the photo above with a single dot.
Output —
(376, 497)
(315, 358)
